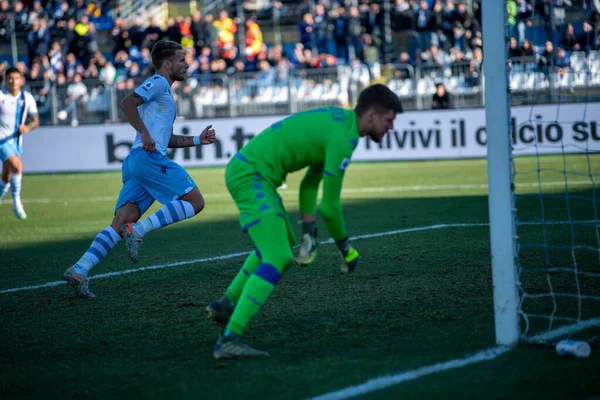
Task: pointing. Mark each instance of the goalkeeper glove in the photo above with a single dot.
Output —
(349, 256)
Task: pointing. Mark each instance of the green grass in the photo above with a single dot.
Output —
(418, 298)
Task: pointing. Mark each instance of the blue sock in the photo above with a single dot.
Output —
(4, 186)
(101, 245)
(170, 213)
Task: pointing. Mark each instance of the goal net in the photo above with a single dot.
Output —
(553, 77)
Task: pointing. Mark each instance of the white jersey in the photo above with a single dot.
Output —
(158, 111)
(14, 112)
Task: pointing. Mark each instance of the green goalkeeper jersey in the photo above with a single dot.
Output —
(322, 139)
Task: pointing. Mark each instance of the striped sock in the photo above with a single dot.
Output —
(15, 186)
(4, 186)
(101, 245)
(170, 213)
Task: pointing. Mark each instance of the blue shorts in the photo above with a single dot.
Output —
(9, 149)
(152, 176)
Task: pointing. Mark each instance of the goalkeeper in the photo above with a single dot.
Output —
(322, 139)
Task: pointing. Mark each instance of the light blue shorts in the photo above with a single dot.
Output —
(9, 149)
(152, 176)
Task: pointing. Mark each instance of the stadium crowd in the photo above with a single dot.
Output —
(62, 39)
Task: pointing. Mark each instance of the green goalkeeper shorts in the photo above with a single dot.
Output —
(254, 196)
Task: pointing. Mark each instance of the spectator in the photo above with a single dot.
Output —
(306, 31)
(340, 33)
(198, 29)
(185, 27)
(4, 21)
(374, 21)
(38, 39)
(371, 53)
(548, 56)
(173, 32)
(136, 33)
(108, 74)
(41, 94)
(403, 21)
(152, 34)
(210, 34)
(465, 18)
(424, 24)
(569, 39)
(120, 35)
(20, 17)
(595, 16)
(437, 34)
(76, 97)
(56, 58)
(458, 38)
(321, 29)
(587, 39)
(442, 99)
(474, 78)
(458, 65)
(511, 12)
(355, 32)
(527, 49)
(562, 63)
(523, 19)
(514, 51)
(226, 29)
(559, 14)
(449, 19)
(254, 39)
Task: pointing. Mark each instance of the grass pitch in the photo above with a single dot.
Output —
(419, 297)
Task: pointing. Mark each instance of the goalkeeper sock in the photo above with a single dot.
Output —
(256, 292)
(235, 288)
(170, 213)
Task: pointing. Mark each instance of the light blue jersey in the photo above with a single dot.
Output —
(153, 176)
(158, 111)
(13, 112)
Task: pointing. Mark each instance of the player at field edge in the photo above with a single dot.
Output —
(147, 173)
(323, 140)
(16, 106)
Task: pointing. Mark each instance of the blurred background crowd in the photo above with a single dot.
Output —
(259, 56)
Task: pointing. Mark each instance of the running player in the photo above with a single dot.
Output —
(16, 106)
(148, 174)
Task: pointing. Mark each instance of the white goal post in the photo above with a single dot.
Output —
(500, 197)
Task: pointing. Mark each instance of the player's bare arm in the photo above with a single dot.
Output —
(207, 136)
(129, 106)
(35, 122)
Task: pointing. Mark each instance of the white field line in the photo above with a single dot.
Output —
(391, 380)
(563, 331)
(376, 383)
(289, 192)
(233, 255)
(387, 381)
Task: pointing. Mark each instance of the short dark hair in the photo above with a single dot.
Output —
(379, 97)
(13, 70)
(162, 50)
